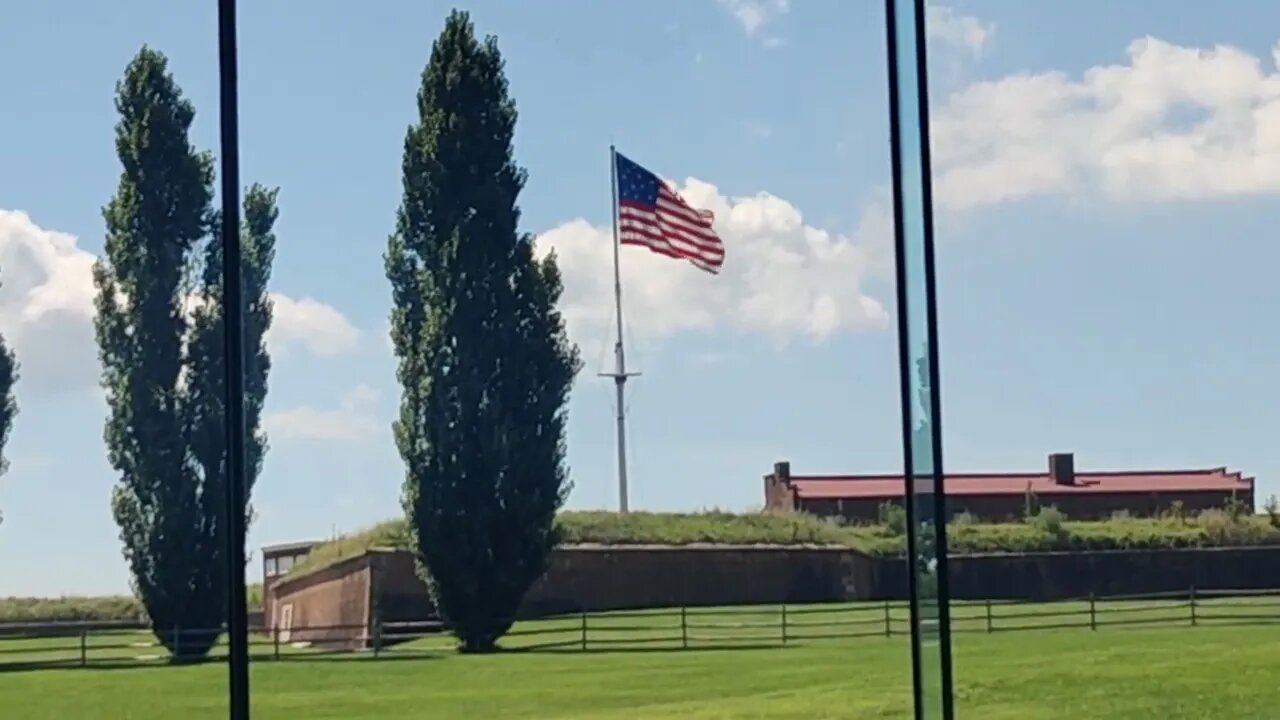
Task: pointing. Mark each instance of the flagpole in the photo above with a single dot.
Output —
(619, 374)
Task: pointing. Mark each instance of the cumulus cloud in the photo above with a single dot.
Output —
(46, 305)
(353, 420)
(947, 28)
(1170, 123)
(311, 324)
(782, 278)
(46, 309)
(754, 15)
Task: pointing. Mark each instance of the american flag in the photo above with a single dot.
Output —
(653, 215)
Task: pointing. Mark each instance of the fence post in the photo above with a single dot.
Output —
(377, 636)
(84, 648)
(1093, 613)
(990, 629)
(584, 630)
(888, 628)
(684, 628)
(275, 642)
(784, 624)
(1193, 606)
(176, 639)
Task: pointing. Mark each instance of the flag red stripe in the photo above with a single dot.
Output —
(632, 218)
(657, 233)
(671, 227)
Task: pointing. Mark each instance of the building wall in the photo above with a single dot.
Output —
(616, 578)
(1074, 575)
(331, 606)
(596, 579)
(1077, 506)
(778, 495)
(600, 579)
(398, 593)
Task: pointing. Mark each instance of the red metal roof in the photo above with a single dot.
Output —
(891, 486)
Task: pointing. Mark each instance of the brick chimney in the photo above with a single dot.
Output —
(782, 471)
(1062, 468)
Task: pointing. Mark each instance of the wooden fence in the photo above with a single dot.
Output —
(84, 645)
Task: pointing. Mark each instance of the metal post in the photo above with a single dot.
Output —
(619, 373)
(84, 648)
(888, 623)
(1093, 613)
(377, 636)
(233, 319)
(1193, 606)
(990, 629)
(275, 642)
(176, 639)
(584, 630)
(784, 624)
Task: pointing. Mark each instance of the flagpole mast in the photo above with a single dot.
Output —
(619, 374)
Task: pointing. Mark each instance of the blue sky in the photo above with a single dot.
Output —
(1106, 214)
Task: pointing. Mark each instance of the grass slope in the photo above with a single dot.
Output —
(1178, 674)
(1211, 528)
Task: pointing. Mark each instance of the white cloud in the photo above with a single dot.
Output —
(46, 309)
(1171, 123)
(754, 15)
(353, 420)
(782, 278)
(318, 327)
(948, 28)
(46, 305)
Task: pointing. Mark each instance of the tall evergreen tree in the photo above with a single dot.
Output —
(159, 332)
(207, 375)
(8, 403)
(484, 362)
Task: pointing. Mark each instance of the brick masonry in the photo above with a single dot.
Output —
(384, 583)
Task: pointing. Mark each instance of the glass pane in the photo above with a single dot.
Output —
(1106, 236)
(406, 445)
(112, 497)
(931, 642)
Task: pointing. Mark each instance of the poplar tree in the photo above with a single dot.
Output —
(159, 329)
(484, 362)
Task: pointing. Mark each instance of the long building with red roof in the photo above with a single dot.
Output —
(1089, 495)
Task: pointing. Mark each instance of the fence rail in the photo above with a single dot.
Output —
(68, 645)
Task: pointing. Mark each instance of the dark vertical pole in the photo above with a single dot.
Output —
(939, 495)
(237, 612)
(904, 352)
(924, 490)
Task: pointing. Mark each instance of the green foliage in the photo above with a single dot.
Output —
(1272, 508)
(485, 364)
(1211, 528)
(1235, 507)
(162, 358)
(893, 516)
(8, 402)
(1050, 521)
(107, 608)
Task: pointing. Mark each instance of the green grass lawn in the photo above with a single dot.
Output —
(1197, 673)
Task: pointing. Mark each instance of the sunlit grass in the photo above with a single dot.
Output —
(1202, 673)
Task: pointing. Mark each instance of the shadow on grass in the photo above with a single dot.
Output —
(708, 647)
(132, 664)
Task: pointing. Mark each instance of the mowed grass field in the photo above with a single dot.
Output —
(1167, 669)
(1198, 674)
